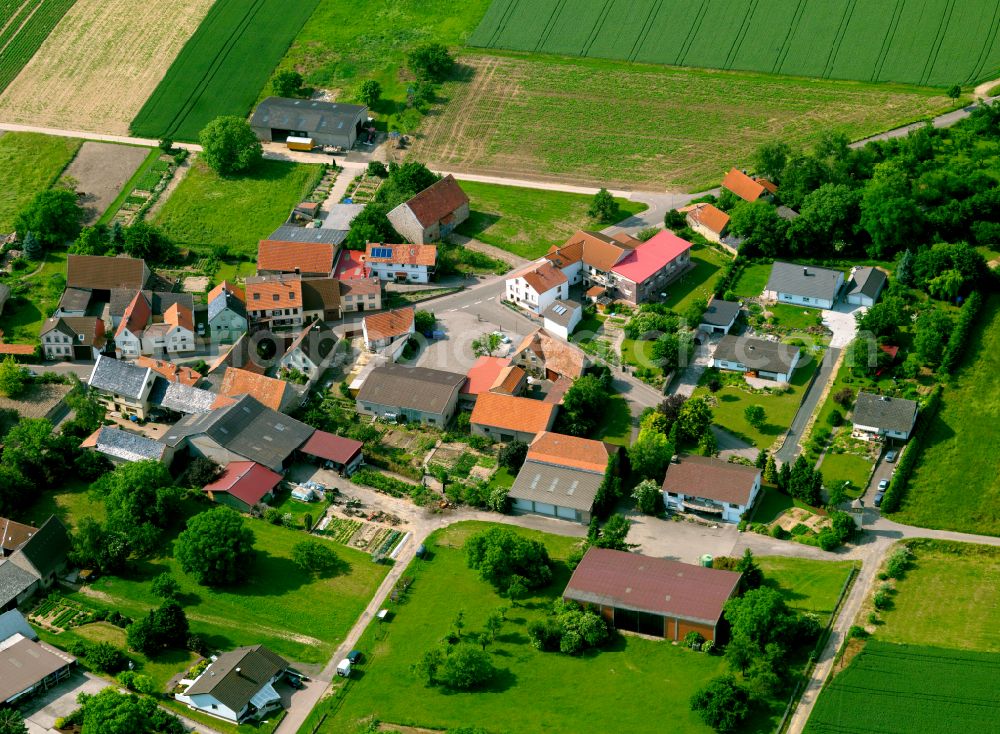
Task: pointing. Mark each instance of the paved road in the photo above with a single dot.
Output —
(790, 448)
(946, 120)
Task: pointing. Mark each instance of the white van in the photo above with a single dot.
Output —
(344, 668)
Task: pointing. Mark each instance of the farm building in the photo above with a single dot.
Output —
(433, 213)
(653, 596)
(712, 486)
(492, 374)
(756, 357)
(542, 355)
(382, 329)
(13, 535)
(100, 274)
(865, 286)
(719, 317)
(327, 123)
(268, 391)
(309, 259)
(804, 285)
(509, 418)
(336, 452)
(123, 447)
(242, 485)
(881, 415)
(27, 665)
(415, 393)
(122, 387)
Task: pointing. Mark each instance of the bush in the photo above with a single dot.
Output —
(106, 658)
(466, 667)
(694, 640)
(881, 600)
(898, 562)
(960, 334)
(500, 554)
(230, 145)
(835, 418)
(135, 682)
(723, 704)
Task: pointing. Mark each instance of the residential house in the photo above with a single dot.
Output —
(67, 338)
(361, 294)
(719, 317)
(562, 317)
(275, 300)
(27, 666)
(159, 302)
(508, 418)
(756, 357)
(308, 259)
(238, 686)
(242, 355)
(647, 269)
(321, 299)
(44, 554)
(881, 416)
(243, 485)
(174, 335)
(100, 274)
(17, 586)
(173, 399)
(401, 263)
(123, 447)
(122, 387)
(747, 187)
(245, 430)
(804, 285)
(432, 214)
(707, 220)
(269, 391)
(169, 371)
(560, 477)
(128, 336)
(382, 329)
(333, 232)
(334, 452)
(653, 596)
(492, 374)
(351, 266)
(711, 486)
(537, 286)
(416, 394)
(587, 258)
(13, 535)
(865, 286)
(312, 351)
(543, 355)
(227, 312)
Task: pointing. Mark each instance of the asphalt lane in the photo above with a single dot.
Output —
(790, 448)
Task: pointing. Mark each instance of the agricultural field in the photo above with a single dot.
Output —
(956, 483)
(24, 26)
(550, 118)
(207, 212)
(223, 66)
(30, 163)
(100, 171)
(931, 42)
(99, 65)
(900, 689)
(527, 222)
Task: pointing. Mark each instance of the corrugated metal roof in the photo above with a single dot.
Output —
(556, 485)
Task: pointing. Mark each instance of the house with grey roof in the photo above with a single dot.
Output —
(865, 286)
(122, 447)
(174, 397)
(562, 317)
(44, 553)
(880, 416)
(322, 235)
(245, 430)
(122, 386)
(416, 393)
(756, 357)
(237, 686)
(719, 317)
(16, 585)
(543, 488)
(804, 285)
(227, 316)
(325, 123)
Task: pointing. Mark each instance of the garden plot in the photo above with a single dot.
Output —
(100, 63)
(99, 172)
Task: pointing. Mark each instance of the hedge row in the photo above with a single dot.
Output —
(960, 336)
(897, 487)
(729, 275)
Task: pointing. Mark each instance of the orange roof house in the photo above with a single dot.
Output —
(483, 374)
(569, 451)
(401, 254)
(433, 213)
(746, 187)
(381, 328)
(542, 354)
(170, 371)
(304, 258)
(272, 292)
(137, 317)
(227, 286)
(179, 316)
(707, 217)
(506, 418)
(275, 394)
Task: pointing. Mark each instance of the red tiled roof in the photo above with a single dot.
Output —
(245, 480)
(711, 478)
(333, 448)
(17, 350)
(290, 257)
(404, 254)
(229, 286)
(641, 583)
(104, 273)
(742, 185)
(261, 292)
(351, 265)
(171, 371)
(510, 413)
(709, 216)
(13, 534)
(136, 317)
(594, 248)
(437, 201)
(650, 257)
(508, 380)
(266, 390)
(542, 277)
(389, 324)
(483, 374)
(179, 316)
(570, 451)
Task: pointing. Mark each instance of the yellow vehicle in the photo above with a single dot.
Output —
(303, 144)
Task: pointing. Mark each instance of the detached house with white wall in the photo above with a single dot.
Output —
(275, 301)
(237, 686)
(66, 338)
(174, 335)
(710, 486)
(881, 416)
(401, 263)
(537, 286)
(804, 285)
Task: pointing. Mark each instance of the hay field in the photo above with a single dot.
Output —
(101, 62)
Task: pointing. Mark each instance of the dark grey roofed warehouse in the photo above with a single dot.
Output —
(327, 123)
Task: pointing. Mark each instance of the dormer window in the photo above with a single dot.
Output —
(275, 297)
(256, 296)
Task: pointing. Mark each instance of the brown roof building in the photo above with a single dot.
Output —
(433, 213)
(170, 371)
(653, 596)
(28, 666)
(508, 418)
(313, 259)
(273, 393)
(707, 485)
(541, 354)
(13, 535)
(595, 249)
(100, 273)
(380, 329)
(708, 220)
(571, 451)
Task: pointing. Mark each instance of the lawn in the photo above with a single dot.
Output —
(287, 505)
(731, 401)
(206, 211)
(527, 222)
(298, 616)
(30, 163)
(36, 296)
(956, 483)
(795, 317)
(773, 503)
(697, 283)
(70, 504)
(807, 585)
(235, 271)
(922, 43)
(838, 468)
(222, 67)
(950, 596)
(649, 675)
(616, 424)
(752, 281)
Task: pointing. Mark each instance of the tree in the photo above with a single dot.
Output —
(32, 450)
(316, 557)
(106, 658)
(216, 548)
(499, 554)
(200, 471)
(647, 497)
(287, 83)
(428, 666)
(583, 405)
(163, 628)
(932, 333)
(770, 471)
(165, 586)
(609, 489)
(708, 445)
(144, 241)
(671, 408)
(431, 61)
(512, 456)
(111, 712)
(424, 321)
(904, 268)
(955, 91)
(466, 667)
(230, 145)
(96, 547)
(694, 419)
(650, 455)
(761, 461)
(756, 416)
(53, 217)
(604, 208)
(753, 576)
(769, 160)
(762, 230)
(723, 704)
(517, 589)
(828, 216)
(671, 351)
(487, 344)
(885, 318)
(694, 312)
(888, 212)
(613, 534)
(13, 378)
(11, 722)
(369, 93)
(92, 241)
(740, 653)
(763, 617)
(141, 500)
(33, 249)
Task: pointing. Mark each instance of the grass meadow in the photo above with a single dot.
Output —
(207, 211)
(30, 163)
(527, 222)
(929, 42)
(23, 28)
(840, 468)
(752, 281)
(956, 483)
(616, 424)
(222, 67)
(807, 585)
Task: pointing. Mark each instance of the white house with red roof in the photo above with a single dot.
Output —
(647, 269)
(537, 286)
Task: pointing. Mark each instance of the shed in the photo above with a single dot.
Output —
(719, 317)
(242, 485)
(342, 454)
(865, 286)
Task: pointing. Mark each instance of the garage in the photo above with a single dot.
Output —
(554, 491)
(326, 123)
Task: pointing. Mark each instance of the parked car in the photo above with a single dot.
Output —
(344, 668)
(890, 456)
(355, 656)
(883, 485)
(294, 681)
(504, 339)
(879, 496)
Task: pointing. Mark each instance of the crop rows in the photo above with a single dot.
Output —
(916, 689)
(929, 42)
(222, 68)
(25, 33)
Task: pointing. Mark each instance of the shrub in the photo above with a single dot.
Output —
(898, 562)
(835, 418)
(466, 667)
(694, 640)
(881, 600)
(106, 658)
(499, 554)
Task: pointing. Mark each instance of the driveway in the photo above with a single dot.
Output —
(790, 448)
(883, 470)
(679, 540)
(841, 321)
(41, 712)
(730, 445)
(688, 380)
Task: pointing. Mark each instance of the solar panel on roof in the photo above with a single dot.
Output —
(559, 309)
(385, 252)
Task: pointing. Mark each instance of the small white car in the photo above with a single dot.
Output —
(883, 485)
